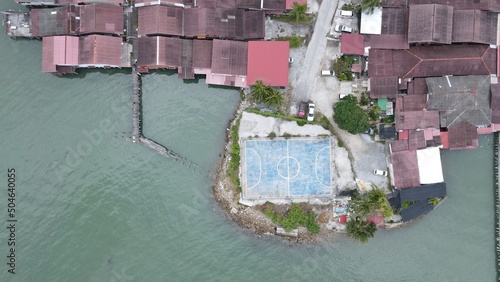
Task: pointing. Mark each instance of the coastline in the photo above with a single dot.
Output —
(250, 218)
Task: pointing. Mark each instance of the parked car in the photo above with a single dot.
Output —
(343, 28)
(346, 14)
(380, 172)
(310, 115)
(302, 109)
(327, 73)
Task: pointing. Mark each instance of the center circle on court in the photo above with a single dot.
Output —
(288, 167)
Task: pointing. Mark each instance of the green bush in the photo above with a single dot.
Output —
(294, 218)
(301, 122)
(350, 116)
(271, 135)
(295, 41)
(364, 101)
(234, 164)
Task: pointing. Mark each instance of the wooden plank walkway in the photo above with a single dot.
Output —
(497, 202)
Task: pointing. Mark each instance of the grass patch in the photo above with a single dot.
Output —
(234, 164)
(306, 19)
(295, 217)
(277, 115)
(295, 41)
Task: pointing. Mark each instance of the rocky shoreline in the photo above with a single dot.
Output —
(227, 196)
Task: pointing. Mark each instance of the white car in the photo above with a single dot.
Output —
(380, 172)
(343, 28)
(310, 112)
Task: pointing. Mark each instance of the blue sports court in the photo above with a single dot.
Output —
(286, 168)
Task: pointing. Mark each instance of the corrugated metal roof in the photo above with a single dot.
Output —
(405, 169)
(417, 86)
(417, 209)
(54, 21)
(386, 41)
(162, 52)
(430, 23)
(268, 61)
(461, 99)
(229, 57)
(395, 21)
(423, 192)
(89, 1)
(399, 145)
(462, 136)
(495, 96)
(416, 140)
(59, 50)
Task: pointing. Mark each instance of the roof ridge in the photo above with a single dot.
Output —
(418, 57)
(484, 63)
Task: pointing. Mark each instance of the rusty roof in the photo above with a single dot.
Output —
(224, 23)
(229, 57)
(430, 23)
(462, 136)
(417, 120)
(416, 140)
(433, 60)
(386, 41)
(90, 1)
(101, 18)
(394, 3)
(202, 54)
(495, 116)
(495, 96)
(399, 145)
(491, 5)
(395, 21)
(475, 26)
(405, 168)
(461, 99)
(161, 20)
(383, 87)
(417, 86)
(161, 52)
(54, 21)
(100, 50)
(414, 102)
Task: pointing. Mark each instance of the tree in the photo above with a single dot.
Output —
(298, 11)
(369, 5)
(259, 91)
(349, 115)
(274, 98)
(361, 230)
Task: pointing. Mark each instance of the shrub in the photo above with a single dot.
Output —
(295, 41)
(271, 135)
(349, 115)
(364, 100)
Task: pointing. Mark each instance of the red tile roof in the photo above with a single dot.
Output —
(352, 44)
(462, 136)
(383, 87)
(100, 50)
(161, 20)
(417, 120)
(101, 18)
(289, 3)
(433, 60)
(414, 102)
(268, 61)
(405, 168)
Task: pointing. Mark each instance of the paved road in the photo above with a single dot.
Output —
(315, 51)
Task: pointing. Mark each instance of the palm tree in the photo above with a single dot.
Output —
(363, 207)
(370, 5)
(298, 11)
(275, 98)
(260, 91)
(361, 230)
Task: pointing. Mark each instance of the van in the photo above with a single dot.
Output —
(327, 73)
(346, 14)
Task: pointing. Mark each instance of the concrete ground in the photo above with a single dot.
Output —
(307, 84)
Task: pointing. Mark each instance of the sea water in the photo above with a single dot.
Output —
(91, 206)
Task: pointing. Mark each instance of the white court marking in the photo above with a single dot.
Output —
(316, 166)
(260, 169)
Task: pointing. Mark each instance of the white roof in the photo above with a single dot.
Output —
(429, 165)
(371, 23)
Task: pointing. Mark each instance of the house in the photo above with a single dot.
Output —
(268, 61)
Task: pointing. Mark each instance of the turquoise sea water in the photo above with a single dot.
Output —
(93, 207)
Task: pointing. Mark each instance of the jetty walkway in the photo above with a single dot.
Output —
(497, 202)
(137, 135)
